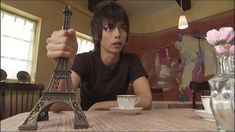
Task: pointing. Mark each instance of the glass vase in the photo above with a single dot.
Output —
(222, 93)
(181, 97)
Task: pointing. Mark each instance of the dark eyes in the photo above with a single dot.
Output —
(111, 27)
(124, 27)
(108, 27)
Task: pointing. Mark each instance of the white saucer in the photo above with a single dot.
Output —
(205, 115)
(136, 110)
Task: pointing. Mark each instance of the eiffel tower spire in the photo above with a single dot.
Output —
(61, 72)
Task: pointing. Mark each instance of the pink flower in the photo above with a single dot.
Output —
(227, 33)
(221, 37)
(223, 48)
(212, 36)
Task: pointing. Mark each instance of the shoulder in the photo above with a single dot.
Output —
(129, 59)
(129, 56)
(86, 58)
(84, 62)
(86, 55)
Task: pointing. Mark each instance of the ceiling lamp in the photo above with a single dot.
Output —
(183, 23)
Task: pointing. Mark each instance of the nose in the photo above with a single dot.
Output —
(117, 32)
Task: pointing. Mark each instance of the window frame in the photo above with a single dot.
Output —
(35, 48)
(84, 37)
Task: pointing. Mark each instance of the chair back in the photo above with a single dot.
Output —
(19, 97)
(198, 89)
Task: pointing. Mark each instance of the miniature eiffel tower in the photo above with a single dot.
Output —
(61, 72)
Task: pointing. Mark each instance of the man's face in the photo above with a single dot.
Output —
(113, 37)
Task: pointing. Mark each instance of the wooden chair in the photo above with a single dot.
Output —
(198, 89)
(18, 97)
(158, 91)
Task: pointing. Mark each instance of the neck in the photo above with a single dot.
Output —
(109, 59)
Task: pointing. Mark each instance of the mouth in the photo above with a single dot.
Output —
(117, 44)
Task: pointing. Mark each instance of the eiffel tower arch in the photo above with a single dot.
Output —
(40, 110)
(61, 72)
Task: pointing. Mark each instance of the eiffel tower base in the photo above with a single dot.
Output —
(40, 110)
(79, 125)
(28, 127)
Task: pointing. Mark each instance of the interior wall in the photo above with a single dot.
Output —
(147, 33)
(52, 19)
(145, 45)
(168, 18)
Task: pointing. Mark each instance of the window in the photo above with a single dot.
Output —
(18, 45)
(84, 43)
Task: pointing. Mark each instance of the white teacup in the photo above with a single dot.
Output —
(206, 103)
(127, 101)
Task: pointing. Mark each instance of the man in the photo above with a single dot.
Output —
(105, 72)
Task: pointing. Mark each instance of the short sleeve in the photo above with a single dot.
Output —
(136, 69)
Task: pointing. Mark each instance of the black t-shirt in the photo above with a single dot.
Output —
(101, 83)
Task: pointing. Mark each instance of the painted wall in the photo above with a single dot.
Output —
(169, 18)
(145, 45)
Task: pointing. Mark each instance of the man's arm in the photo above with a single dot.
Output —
(142, 89)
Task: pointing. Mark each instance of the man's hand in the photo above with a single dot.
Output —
(62, 43)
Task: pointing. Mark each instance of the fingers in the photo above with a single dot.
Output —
(62, 36)
(62, 43)
(60, 50)
(72, 31)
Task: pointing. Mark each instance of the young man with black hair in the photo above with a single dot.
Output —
(107, 71)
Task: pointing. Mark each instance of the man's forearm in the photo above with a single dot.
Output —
(146, 103)
(105, 105)
(57, 107)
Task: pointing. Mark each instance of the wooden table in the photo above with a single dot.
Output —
(147, 120)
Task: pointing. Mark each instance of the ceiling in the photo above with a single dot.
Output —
(132, 7)
(145, 7)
